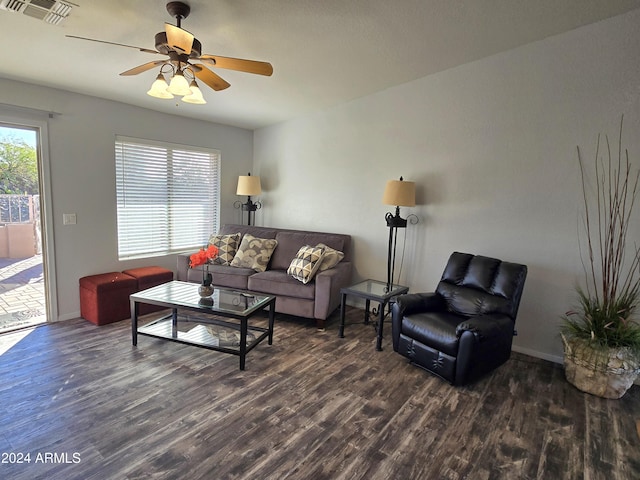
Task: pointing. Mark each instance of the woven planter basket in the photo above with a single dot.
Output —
(606, 373)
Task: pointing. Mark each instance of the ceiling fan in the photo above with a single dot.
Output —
(182, 49)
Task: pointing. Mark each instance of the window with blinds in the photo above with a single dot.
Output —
(168, 197)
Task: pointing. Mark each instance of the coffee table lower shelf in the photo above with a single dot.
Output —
(199, 332)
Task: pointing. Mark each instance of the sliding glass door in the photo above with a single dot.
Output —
(23, 289)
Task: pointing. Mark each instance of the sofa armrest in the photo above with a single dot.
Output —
(182, 267)
(328, 285)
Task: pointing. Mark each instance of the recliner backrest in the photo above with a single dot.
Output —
(476, 285)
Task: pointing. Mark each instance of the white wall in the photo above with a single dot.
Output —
(81, 152)
(492, 147)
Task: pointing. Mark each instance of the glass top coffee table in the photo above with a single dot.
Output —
(203, 329)
(371, 290)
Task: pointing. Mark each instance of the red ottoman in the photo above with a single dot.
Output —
(148, 277)
(104, 298)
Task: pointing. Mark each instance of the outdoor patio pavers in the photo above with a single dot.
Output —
(22, 298)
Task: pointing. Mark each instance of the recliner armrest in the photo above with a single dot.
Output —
(408, 304)
(486, 326)
(419, 302)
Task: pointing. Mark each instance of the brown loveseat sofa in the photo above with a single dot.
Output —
(316, 299)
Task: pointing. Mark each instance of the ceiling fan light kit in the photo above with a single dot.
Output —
(196, 95)
(179, 85)
(159, 88)
(183, 48)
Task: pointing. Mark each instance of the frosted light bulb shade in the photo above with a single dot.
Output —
(159, 88)
(195, 96)
(248, 185)
(179, 85)
(400, 193)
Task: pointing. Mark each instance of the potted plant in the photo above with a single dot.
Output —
(601, 336)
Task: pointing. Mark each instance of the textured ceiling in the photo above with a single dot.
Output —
(324, 52)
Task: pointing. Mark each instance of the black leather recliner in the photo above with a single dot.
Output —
(464, 329)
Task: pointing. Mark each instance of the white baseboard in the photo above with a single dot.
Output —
(536, 354)
(67, 316)
(545, 356)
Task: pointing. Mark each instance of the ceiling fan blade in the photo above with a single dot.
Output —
(249, 66)
(143, 68)
(146, 50)
(178, 38)
(210, 78)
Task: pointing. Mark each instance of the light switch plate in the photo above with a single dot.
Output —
(68, 218)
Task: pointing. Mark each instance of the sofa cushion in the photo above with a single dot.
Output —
(226, 276)
(290, 242)
(227, 247)
(306, 263)
(223, 276)
(277, 282)
(254, 253)
(330, 258)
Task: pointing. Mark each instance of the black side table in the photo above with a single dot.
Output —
(371, 290)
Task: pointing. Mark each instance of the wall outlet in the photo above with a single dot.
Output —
(68, 218)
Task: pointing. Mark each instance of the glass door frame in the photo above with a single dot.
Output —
(16, 117)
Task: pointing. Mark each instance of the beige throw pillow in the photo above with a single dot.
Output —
(305, 264)
(227, 247)
(331, 257)
(254, 253)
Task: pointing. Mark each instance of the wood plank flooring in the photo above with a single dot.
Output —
(310, 406)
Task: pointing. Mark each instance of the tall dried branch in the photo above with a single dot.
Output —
(616, 190)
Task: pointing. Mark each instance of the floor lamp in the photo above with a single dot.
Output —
(400, 194)
(248, 185)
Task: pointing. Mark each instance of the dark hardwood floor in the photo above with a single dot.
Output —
(85, 404)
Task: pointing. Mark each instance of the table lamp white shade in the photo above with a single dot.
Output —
(400, 193)
(248, 185)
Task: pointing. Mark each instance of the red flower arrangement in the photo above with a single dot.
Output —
(204, 257)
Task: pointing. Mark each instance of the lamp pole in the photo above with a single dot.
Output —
(250, 207)
(398, 193)
(394, 222)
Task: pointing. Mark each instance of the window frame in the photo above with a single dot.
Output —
(144, 178)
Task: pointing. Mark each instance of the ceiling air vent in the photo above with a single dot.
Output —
(50, 11)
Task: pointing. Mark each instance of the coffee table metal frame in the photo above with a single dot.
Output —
(232, 304)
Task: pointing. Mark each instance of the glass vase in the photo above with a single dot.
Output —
(205, 290)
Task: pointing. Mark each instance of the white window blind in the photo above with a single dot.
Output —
(168, 196)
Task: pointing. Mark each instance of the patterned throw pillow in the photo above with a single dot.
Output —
(305, 264)
(254, 253)
(331, 257)
(227, 247)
